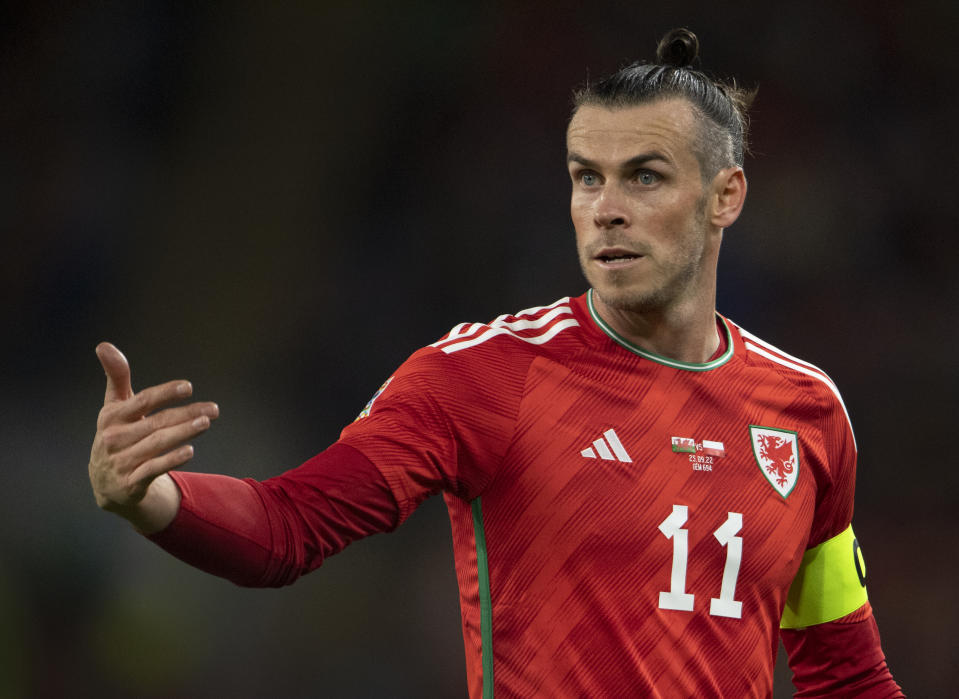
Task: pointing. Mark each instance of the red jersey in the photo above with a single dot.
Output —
(623, 523)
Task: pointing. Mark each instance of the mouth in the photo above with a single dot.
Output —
(616, 257)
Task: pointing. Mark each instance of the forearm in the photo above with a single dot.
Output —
(268, 534)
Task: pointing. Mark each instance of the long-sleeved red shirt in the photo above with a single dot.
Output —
(623, 524)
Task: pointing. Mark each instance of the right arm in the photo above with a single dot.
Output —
(268, 533)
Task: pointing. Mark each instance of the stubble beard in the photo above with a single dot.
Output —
(656, 290)
(619, 290)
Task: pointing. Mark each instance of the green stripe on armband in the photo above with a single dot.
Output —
(830, 584)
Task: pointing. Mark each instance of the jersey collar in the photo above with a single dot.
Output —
(659, 359)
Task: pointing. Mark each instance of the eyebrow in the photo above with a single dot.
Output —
(635, 161)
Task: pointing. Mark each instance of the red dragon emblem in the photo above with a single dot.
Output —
(778, 454)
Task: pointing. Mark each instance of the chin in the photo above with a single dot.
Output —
(631, 299)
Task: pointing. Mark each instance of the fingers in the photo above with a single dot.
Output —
(117, 369)
(145, 402)
(161, 441)
(121, 435)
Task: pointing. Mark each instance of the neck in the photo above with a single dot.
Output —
(686, 333)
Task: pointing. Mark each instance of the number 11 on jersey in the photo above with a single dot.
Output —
(677, 598)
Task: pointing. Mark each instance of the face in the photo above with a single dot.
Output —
(639, 206)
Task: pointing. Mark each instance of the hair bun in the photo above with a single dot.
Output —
(679, 48)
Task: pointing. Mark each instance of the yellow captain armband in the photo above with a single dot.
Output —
(830, 584)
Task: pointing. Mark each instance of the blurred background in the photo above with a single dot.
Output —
(280, 202)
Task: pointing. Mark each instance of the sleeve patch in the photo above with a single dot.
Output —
(830, 583)
(369, 406)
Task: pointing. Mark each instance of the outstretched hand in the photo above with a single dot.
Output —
(138, 440)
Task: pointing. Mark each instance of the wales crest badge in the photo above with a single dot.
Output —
(777, 454)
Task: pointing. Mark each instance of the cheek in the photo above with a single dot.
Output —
(580, 211)
(677, 217)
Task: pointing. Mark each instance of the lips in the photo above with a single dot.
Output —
(616, 256)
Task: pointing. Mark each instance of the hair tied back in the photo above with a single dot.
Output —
(679, 48)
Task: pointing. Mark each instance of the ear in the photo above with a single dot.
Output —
(728, 196)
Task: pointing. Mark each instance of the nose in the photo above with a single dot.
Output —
(611, 211)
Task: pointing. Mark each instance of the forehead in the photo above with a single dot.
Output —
(619, 133)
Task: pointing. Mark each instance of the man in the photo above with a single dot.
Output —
(641, 493)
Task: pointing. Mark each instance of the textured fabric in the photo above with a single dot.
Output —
(268, 534)
(842, 658)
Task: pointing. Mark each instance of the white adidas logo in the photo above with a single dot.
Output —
(603, 446)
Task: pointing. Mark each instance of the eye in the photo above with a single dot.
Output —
(588, 179)
(647, 177)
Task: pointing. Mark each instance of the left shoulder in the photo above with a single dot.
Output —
(811, 378)
(762, 353)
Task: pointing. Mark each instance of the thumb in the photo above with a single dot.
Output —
(117, 369)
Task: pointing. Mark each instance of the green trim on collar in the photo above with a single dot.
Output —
(659, 359)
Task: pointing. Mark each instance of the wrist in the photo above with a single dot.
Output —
(157, 509)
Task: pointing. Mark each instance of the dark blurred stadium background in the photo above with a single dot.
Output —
(281, 201)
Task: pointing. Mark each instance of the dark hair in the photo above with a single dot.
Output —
(721, 107)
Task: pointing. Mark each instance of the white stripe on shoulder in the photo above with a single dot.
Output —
(785, 355)
(540, 339)
(808, 370)
(459, 332)
(545, 321)
(536, 309)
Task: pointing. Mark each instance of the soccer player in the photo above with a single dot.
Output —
(644, 497)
